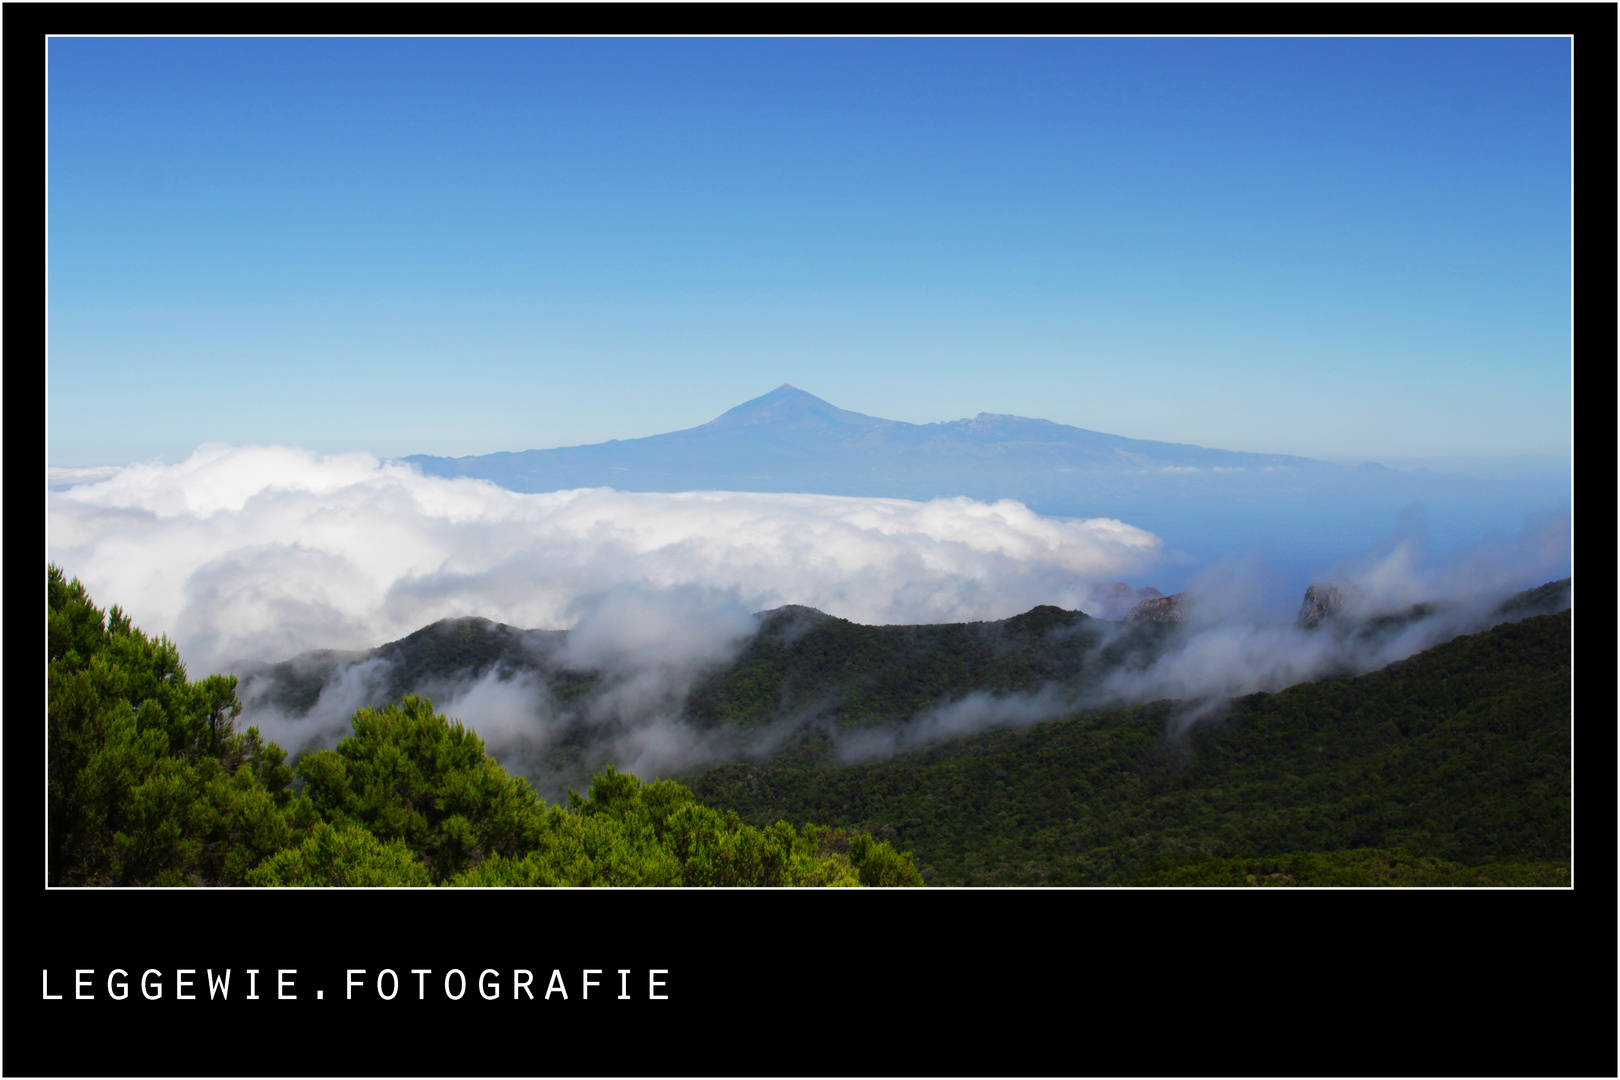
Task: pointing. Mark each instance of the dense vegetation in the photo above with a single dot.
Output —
(1359, 868)
(823, 674)
(149, 783)
(862, 675)
(1460, 753)
(799, 657)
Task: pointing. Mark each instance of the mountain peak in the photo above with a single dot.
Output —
(788, 406)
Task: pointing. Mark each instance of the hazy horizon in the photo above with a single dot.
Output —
(1463, 463)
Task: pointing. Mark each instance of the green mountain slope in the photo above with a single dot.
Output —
(802, 659)
(1460, 753)
(1357, 868)
(798, 658)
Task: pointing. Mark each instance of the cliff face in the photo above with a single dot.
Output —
(1321, 601)
(1162, 609)
(1115, 599)
(1328, 602)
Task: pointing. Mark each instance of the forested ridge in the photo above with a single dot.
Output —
(814, 674)
(804, 677)
(150, 783)
(872, 675)
(1459, 754)
(1450, 767)
(860, 674)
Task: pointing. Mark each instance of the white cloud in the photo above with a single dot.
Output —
(62, 478)
(263, 552)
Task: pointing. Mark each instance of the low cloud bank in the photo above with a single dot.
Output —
(262, 553)
(327, 721)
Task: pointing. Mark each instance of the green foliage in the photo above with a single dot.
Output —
(150, 784)
(714, 848)
(408, 774)
(147, 780)
(348, 856)
(1358, 868)
(1461, 753)
(871, 862)
(579, 851)
(625, 832)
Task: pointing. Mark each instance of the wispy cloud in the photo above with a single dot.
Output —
(1233, 643)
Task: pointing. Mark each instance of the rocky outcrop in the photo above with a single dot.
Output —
(1114, 599)
(1342, 605)
(1161, 609)
(1321, 602)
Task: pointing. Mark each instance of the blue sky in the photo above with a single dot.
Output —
(1347, 249)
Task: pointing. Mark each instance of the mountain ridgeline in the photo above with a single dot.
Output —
(795, 685)
(1449, 760)
(802, 663)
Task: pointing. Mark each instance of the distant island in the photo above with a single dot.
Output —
(792, 441)
(1204, 503)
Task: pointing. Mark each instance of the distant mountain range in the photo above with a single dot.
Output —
(1205, 503)
(792, 441)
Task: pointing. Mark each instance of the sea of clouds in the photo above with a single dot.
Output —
(263, 552)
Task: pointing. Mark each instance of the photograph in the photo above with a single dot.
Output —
(1033, 476)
